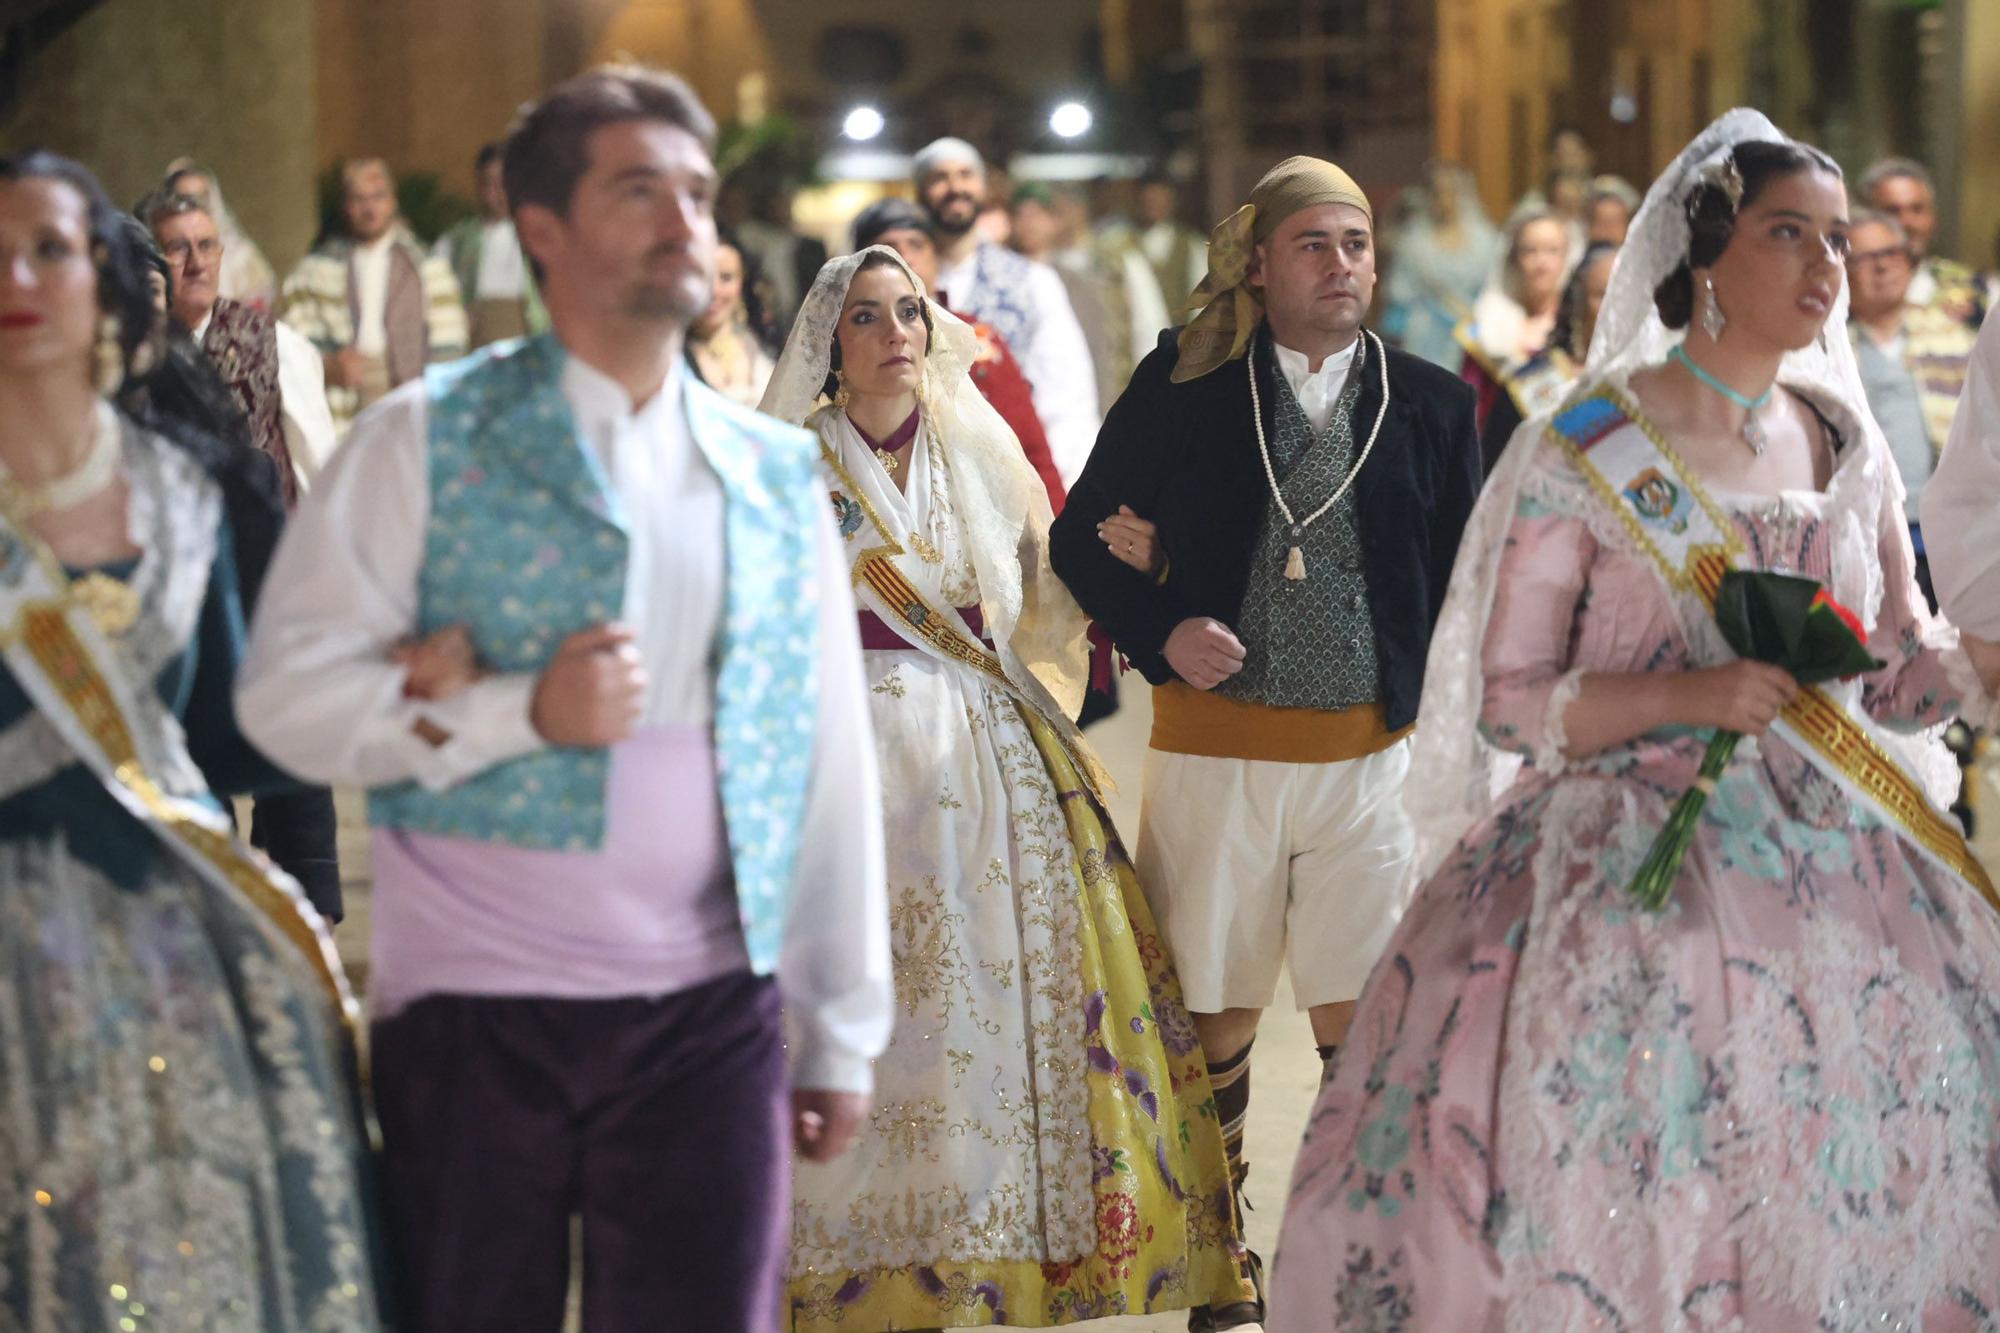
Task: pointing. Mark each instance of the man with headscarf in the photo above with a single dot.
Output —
(378, 308)
(1024, 300)
(1267, 529)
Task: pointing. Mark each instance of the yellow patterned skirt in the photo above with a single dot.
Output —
(1168, 1236)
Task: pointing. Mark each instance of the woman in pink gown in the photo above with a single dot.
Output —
(1774, 1105)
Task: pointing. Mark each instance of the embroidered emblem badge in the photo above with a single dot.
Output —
(1660, 501)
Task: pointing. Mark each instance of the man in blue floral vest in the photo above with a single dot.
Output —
(577, 624)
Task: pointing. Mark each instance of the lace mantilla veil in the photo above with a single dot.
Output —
(1036, 625)
(1456, 777)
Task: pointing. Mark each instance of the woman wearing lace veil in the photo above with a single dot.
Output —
(1775, 1104)
(1040, 1153)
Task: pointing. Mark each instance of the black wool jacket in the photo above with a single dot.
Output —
(1185, 457)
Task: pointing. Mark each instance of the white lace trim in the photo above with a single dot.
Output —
(1455, 777)
(171, 516)
(1552, 755)
(1977, 708)
(1002, 506)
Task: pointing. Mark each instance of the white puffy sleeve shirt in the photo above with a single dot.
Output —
(319, 695)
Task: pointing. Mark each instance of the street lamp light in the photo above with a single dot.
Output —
(1071, 120)
(862, 124)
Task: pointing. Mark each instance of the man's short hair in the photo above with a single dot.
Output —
(489, 152)
(162, 204)
(355, 168)
(548, 150)
(887, 215)
(1870, 217)
(1896, 168)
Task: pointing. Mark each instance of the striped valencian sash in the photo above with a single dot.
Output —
(882, 587)
(1691, 544)
(72, 676)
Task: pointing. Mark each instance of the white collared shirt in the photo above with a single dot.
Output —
(371, 292)
(319, 695)
(1923, 287)
(503, 272)
(1317, 390)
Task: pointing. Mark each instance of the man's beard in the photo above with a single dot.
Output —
(665, 302)
(951, 229)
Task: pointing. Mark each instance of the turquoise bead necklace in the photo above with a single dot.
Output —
(1753, 434)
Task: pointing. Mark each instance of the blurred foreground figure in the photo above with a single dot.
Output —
(179, 1138)
(576, 620)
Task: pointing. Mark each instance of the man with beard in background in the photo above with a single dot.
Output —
(1025, 301)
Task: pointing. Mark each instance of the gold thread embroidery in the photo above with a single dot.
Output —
(827, 452)
(112, 603)
(1820, 722)
(51, 641)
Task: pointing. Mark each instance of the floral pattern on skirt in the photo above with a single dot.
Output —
(178, 1144)
(1166, 1227)
(1772, 1107)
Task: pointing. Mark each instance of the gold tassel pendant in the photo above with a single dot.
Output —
(1295, 565)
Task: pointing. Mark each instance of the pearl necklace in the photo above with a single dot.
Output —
(1295, 559)
(99, 466)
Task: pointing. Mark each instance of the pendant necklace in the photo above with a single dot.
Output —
(1753, 432)
(1295, 559)
(885, 450)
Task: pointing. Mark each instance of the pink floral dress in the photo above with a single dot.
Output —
(1774, 1106)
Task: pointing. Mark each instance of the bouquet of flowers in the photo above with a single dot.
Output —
(1776, 618)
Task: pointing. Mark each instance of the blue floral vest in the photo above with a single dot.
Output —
(526, 545)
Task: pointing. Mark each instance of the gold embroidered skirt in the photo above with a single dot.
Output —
(1153, 1220)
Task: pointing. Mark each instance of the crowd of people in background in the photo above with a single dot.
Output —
(1019, 434)
(1057, 290)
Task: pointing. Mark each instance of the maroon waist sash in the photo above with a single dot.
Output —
(877, 636)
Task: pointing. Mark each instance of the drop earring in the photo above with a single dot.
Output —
(840, 398)
(1712, 322)
(107, 356)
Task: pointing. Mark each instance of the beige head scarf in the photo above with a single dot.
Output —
(1231, 309)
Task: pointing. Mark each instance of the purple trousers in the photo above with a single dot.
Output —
(664, 1122)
